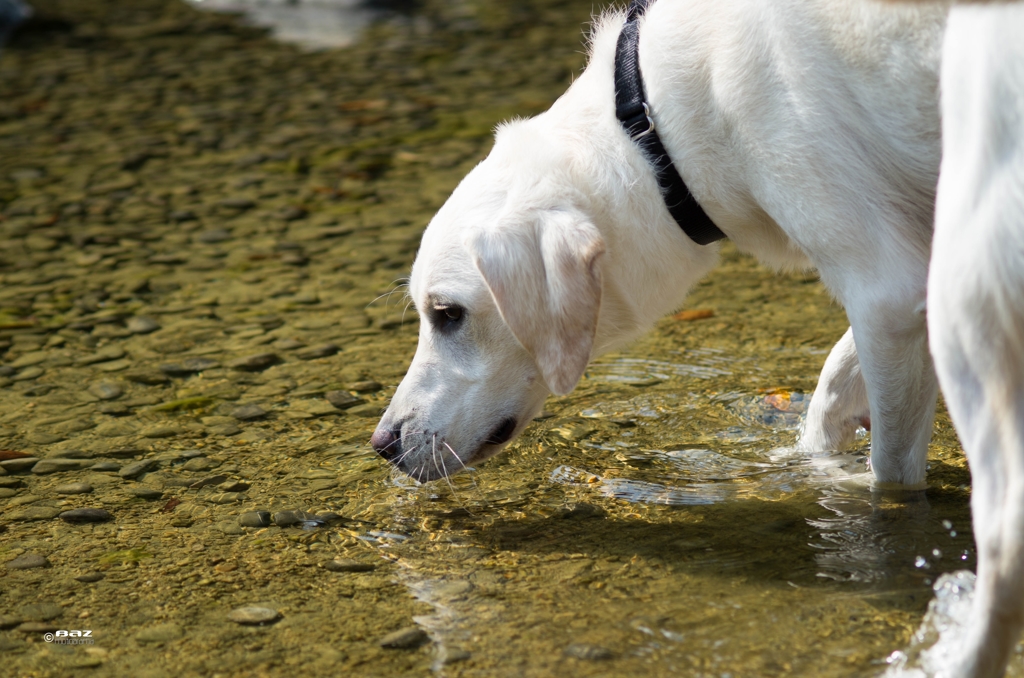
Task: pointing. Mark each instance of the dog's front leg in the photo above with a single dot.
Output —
(839, 405)
(892, 350)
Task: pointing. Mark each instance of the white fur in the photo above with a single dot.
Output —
(809, 132)
(976, 307)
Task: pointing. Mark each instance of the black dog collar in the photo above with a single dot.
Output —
(634, 113)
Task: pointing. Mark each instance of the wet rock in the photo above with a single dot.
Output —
(150, 378)
(37, 627)
(46, 466)
(31, 513)
(368, 386)
(30, 359)
(253, 615)
(106, 467)
(86, 515)
(292, 518)
(347, 565)
(405, 639)
(342, 399)
(288, 344)
(90, 577)
(189, 367)
(137, 468)
(233, 486)
(19, 465)
(164, 431)
(146, 493)
(28, 561)
(255, 519)
(315, 352)
(212, 480)
(588, 652)
(9, 621)
(224, 430)
(315, 408)
(6, 492)
(106, 354)
(114, 409)
(41, 611)
(161, 633)
(200, 464)
(214, 236)
(249, 413)
(73, 488)
(255, 363)
(28, 374)
(224, 497)
(369, 410)
(107, 390)
(141, 324)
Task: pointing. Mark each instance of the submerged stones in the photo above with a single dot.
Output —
(28, 561)
(254, 615)
(408, 638)
(86, 515)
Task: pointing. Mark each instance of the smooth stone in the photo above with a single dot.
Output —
(289, 518)
(161, 431)
(9, 621)
(160, 633)
(7, 492)
(252, 615)
(37, 627)
(115, 409)
(46, 466)
(105, 354)
(41, 611)
(33, 513)
(149, 378)
(225, 430)
(404, 639)
(24, 500)
(147, 493)
(587, 652)
(136, 468)
(255, 519)
(6, 481)
(212, 480)
(224, 497)
(90, 577)
(86, 515)
(30, 359)
(369, 410)
(315, 352)
(214, 236)
(255, 363)
(19, 464)
(114, 365)
(233, 486)
(28, 561)
(342, 399)
(28, 374)
(189, 367)
(106, 390)
(315, 408)
(200, 464)
(141, 324)
(106, 467)
(73, 488)
(249, 413)
(288, 344)
(347, 565)
(368, 386)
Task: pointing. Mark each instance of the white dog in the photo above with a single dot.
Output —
(976, 306)
(808, 130)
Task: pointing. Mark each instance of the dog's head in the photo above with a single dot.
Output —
(507, 283)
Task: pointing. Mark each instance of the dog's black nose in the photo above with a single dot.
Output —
(387, 443)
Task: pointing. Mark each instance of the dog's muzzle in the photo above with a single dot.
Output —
(387, 444)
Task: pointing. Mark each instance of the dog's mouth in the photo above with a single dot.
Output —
(503, 433)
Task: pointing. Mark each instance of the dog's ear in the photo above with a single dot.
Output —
(544, 276)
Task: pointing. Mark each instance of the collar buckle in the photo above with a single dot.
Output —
(650, 124)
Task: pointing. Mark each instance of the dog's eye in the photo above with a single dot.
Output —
(447, 317)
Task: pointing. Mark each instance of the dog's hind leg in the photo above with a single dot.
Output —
(976, 307)
(839, 405)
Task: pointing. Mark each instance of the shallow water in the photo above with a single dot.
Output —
(656, 521)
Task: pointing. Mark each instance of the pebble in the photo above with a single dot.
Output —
(41, 611)
(224, 497)
(289, 518)
(73, 488)
(30, 359)
(46, 466)
(189, 367)
(255, 363)
(86, 515)
(115, 409)
(6, 492)
(224, 430)
(146, 493)
(33, 513)
(136, 468)
(6, 481)
(28, 374)
(347, 565)
(18, 465)
(200, 464)
(28, 561)
(150, 378)
(404, 639)
(212, 480)
(364, 386)
(90, 577)
(9, 621)
(249, 413)
(165, 431)
(254, 519)
(233, 486)
(105, 354)
(288, 344)
(587, 652)
(252, 615)
(106, 467)
(161, 633)
(141, 324)
(315, 352)
(107, 390)
(342, 399)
